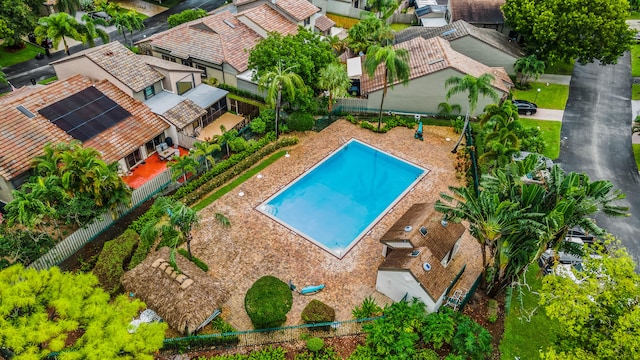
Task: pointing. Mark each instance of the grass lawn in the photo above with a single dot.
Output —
(635, 92)
(239, 180)
(550, 133)
(553, 96)
(636, 154)
(10, 57)
(560, 68)
(523, 339)
(257, 103)
(343, 21)
(634, 15)
(635, 60)
(398, 26)
(48, 80)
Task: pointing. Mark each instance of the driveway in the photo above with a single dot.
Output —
(596, 139)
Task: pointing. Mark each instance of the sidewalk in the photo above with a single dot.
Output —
(546, 114)
(555, 79)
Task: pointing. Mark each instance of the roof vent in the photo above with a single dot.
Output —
(415, 253)
(226, 21)
(408, 228)
(426, 266)
(448, 32)
(436, 61)
(424, 231)
(108, 53)
(26, 112)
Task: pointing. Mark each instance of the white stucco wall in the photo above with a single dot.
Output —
(396, 283)
(484, 53)
(5, 190)
(422, 95)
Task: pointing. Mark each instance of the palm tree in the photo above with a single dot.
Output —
(56, 27)
(182, 166)
(529, 67)
(68, 6)
(396, 67)
(337, 44)
(474, 87)
(226, 137)
(335, 79)
(277, 81)
(128, 21)
(204, 150)
(90, 32)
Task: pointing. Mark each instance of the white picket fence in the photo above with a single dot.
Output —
(82, 236)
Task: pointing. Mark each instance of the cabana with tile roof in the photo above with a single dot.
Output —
(420, 261)
(487, 46)
(187, 301)
(431, 63)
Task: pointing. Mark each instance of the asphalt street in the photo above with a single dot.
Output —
(21, 74)
(596, 139)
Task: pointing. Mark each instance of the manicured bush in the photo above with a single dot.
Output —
(318, 312)
(315, 344)
(368, 308)
(267, 302)
(258, 126)
(299, 121)
(326, 353)
(201, 264)
(113, 260)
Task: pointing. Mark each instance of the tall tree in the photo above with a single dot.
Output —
(68, 6)
(334, 78)
(90, 31)
(58, 27)
(395, 64)
(17, 19)
(176, 220)
(367, 32)
(182, 166)
(599, 312)
(204, 150)
(564, 30)
(53, 311)
(185, 16)
(529, 67)
(277, 81)
(129, 21)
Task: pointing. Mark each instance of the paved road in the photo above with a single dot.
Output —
(595, 139)
(21, 74)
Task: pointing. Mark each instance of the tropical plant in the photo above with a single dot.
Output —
(182, 166)
(26, 209)
(338, 45)
(368, 308)
(204, 150)
(474, 87)
(17, 19)
(396, 68)
(367, 32)
(176, 222)
(277, 81)
(128, 21)
(227, 137)
(90, 32)
(57, 27)
(529, 67)
(334, 78)
(68, 6)
(445, 109)
(3, 78)
(185, 16)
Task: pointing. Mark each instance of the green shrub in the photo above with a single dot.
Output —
(351, 119)
(471, 339)
(220, 326)
(315, 344)
(326, 353)
(185, 16)
(267, 302)
(368, 308)
(22, 246)
(264, 354)
(113, 260)
(235, 90)
(439, 328)
(492, 306)
(238, 144)
(427, 354)
(201, 264)
(457, 124)
(299, 121)
(318, 312)
(258, 126)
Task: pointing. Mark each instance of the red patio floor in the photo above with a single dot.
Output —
(146, 171)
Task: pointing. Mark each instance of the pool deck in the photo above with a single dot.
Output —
(255, 245)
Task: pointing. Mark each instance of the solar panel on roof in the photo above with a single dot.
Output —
(85, 114)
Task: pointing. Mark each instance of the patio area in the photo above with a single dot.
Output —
(228, 120)
(255, 245)
(148, 169)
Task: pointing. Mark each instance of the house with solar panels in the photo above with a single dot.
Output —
(172, 91)
(97, 113)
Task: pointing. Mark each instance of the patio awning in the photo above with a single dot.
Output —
(162, 102)
(228, 120)
(205, 95)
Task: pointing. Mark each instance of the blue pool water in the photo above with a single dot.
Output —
(338, 200)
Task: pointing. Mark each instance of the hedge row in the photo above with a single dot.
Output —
(239, 166)
(201, 264)
(113, 257)
(239, 92)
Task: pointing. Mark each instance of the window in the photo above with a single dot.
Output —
(169, 58)
(151, 145)
(133, 159)
(187, 63)
(307, 21)
(204, 69)
(149, 91)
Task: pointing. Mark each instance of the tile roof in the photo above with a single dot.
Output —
(428, 56)
(122, 63)
(184, 113)
(242, 2)
(167, 65)
(323, 23)
(459, 29)
(297, 9)
(23, 138)
(217, 39)
(270, 20)
(477, 11)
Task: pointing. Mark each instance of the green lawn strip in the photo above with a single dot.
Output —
(239, 180)
(636, 153)
(257, 103)
(634, 15)
(550, 133)
(141, 15)
(399, 26)
(635, 60)
(635, 92)
(48, 80)
(554, 96)
(560, 68)
(10, 57)
(523, 339)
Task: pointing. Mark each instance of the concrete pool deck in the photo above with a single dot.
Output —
(255, 245)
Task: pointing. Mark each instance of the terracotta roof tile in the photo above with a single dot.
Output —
(323, 23)
(23, 138)
(477, 11)
(184, 113)
(270, 20)
(297, 9)
(432, 55)
(166, 64)
(217, 38)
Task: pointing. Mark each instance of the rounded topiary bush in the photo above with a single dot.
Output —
(299, 121)
(318, 312)
(315, 344)
(267, 302)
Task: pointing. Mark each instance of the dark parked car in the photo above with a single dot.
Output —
(525, 107)
(100, 15)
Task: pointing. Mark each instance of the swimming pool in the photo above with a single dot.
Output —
(338, 200)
